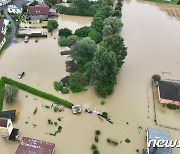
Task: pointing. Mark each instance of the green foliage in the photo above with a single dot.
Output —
(171, 106)
(112, 25)
(57, 85)
(96, 139)
(65, 32)
(83, 52)
(1, 93)
(116, 44)
(178, 3)
(72, 39)
(34, 3)
(127, 140)
(156, 77)
(103, 71)
(94, 35)
(105, 114)
(97, 24)
(79, 7)
(35, 111)
(10, 93)
(36, 92)
(52, 2)
(62, 42)
(103, 102)
(82, 32)
(24, 7)
(97, 132)
(52, 24)
(65, 91)
(95, 151)
(93, 147)
(76, 82)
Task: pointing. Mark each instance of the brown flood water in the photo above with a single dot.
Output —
(153, 45)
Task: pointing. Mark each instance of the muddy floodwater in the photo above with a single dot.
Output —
(152, 38)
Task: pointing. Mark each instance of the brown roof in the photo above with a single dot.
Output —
(1, 37)
(3, 122)
(28, 145)
(1, 23)
(38, 10)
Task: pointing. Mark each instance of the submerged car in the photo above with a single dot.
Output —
(21, 74)
(26, 39)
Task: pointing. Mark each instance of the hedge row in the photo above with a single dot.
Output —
(36, 92)
(1, 94)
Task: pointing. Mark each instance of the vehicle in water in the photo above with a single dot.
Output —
(21, 74)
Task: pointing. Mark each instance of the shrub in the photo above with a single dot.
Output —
(93, 147)
(63, 42)
(36, 92)
(57, 85)
(65, 91)
(178, 3)
(94, 35)
(127, 140)
(97, 132)
(82, 32)
(72, 39)
(10, 94)
(65, 32)
(171, 106)
(103, 102)
(52, 24)
(156, 77)
(105, 114)
(96, 138)
(95, 151)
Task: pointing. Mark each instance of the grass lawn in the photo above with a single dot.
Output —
(174, 2)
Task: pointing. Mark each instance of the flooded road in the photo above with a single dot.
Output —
(153, 45)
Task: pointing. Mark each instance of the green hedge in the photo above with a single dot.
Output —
(36, 92)
(1, 94)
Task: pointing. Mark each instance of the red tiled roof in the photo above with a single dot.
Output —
(28, 145)
(38, 10)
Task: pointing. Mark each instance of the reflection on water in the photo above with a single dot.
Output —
(153, 47)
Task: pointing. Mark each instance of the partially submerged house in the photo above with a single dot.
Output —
(38, 12)
(155, 134)
(11, 114)
(169, 92)
(32, 32)
(29, 145)
(3, 29)
(6, 127)
(4, 2)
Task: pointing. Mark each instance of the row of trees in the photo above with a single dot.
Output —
(98, 66)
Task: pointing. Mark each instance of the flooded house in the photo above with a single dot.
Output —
(29, 145)
(169, 92)
(6, 127)
(38, 12)
(157, 135)
(3, 29)
(32, 32)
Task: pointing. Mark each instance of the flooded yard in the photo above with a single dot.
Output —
(153, 45)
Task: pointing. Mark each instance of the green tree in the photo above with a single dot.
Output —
(10, 94)
(94, 35)
(82, 32)
(72, 39)
(65, 32)
(83, 52)
(116, 44)
(97, 24)
(103, 71)
(52, 24)
(34, 3)
(112, 25)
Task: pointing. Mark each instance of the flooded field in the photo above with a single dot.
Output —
(153, 45)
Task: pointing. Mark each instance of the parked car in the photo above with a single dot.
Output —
(21, 74)
(26, 39)
(36, 40)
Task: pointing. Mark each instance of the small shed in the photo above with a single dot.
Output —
(11, 114)
(29, 145)
(6, 127)
(76, 109)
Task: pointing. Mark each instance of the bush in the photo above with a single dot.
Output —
(93, 147)
(10, 94)
(65, 32)
(105, 114)
(82, 32)
(103, 102)
(97, 132)
(94, 35)
(178, 3)
(52, 24)
(95, 151)
(62, 42)
(96, 138)
(156, 77)
(65, 91)
(171, 106)
(57, 85)
(36, 92)
(72, 39)
(127, 140)
(76, 82)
